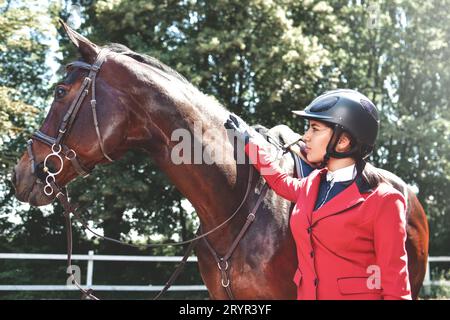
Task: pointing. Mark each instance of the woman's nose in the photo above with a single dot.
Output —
(306, 136)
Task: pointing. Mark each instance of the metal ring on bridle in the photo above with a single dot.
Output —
(48, 193)
(48, 169)
(226, 265)
(71, 155)
(59, 150)
(48, 186)
(227, 284)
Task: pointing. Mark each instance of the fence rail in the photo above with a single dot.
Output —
(91, 257)
(427, 282)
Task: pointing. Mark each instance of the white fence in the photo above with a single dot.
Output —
(90, 257)
(427, 282)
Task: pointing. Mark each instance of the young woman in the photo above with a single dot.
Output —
(347, 223)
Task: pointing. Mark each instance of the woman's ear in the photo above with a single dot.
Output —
(345, 143)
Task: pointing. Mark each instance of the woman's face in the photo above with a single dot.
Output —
(316, 138)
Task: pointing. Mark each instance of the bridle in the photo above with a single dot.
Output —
(57, 146)
(60, 150)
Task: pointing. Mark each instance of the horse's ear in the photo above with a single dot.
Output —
(87, 49)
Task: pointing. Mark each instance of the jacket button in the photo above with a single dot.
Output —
(311, 254)
(316, 282)
(309, 229)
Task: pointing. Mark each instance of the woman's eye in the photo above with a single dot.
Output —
(60, 92)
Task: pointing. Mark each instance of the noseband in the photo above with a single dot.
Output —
(58, 149)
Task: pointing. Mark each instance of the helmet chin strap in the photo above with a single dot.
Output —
(331, 148)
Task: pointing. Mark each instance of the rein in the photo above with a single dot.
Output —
(70, 209)
(59, 151)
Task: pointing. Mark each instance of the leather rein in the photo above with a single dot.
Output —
(59, 151)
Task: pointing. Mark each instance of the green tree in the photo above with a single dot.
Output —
(22, 79)
(247, 68)
(396, 52)
(260, 59)
(24, 90)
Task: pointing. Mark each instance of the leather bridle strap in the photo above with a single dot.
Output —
(72, 113)
(154, 245)
(68, 153)
(73, 110)
(223, 262)
(31, 156)
(94, 109)
(68, 120)
(68, 209)
(178, 270)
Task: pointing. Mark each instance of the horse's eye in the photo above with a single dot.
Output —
(60, 92)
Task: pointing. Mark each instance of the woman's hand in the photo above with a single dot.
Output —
(243, 131)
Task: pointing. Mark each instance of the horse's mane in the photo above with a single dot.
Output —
(153, 62)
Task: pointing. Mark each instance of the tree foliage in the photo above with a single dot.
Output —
(259, 58)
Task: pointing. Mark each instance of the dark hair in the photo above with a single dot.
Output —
(368, 172)
(372, 176)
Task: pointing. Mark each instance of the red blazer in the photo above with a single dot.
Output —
(353, 247)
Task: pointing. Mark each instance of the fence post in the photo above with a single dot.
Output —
(427, 280)
(90, 268)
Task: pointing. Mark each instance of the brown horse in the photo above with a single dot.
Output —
(132, 101)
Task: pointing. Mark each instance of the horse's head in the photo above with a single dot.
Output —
(86, 125)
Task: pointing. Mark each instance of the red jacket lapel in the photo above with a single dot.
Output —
(340, 203)
(312, 191)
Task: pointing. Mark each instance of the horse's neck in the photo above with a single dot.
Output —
(214, 189)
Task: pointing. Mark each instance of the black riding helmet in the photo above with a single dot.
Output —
(346, 111)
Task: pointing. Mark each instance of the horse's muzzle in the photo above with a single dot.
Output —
(20, 193)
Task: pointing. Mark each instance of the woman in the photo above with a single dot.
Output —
(348, 224)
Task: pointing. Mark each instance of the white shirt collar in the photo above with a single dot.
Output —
(343, 174)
